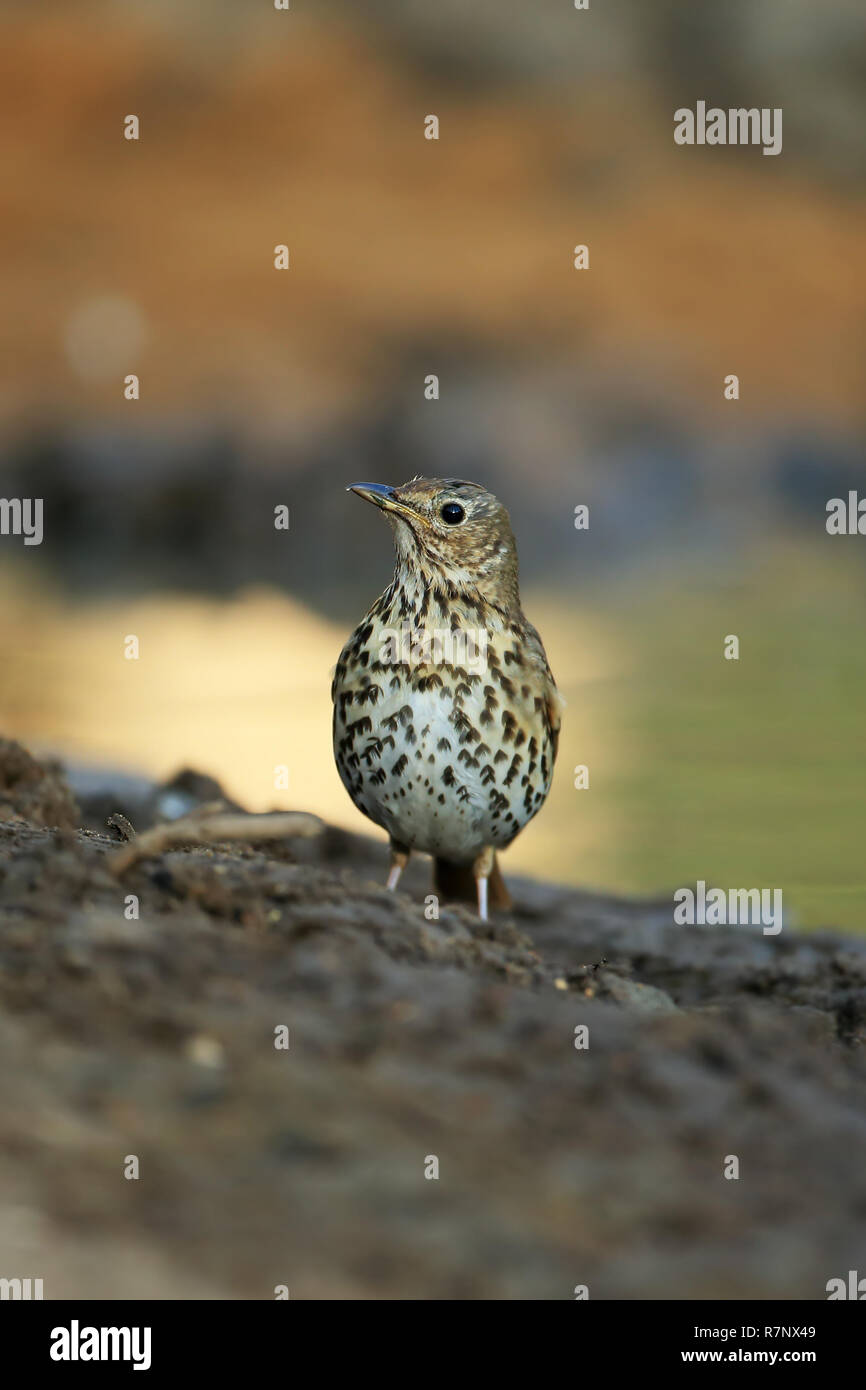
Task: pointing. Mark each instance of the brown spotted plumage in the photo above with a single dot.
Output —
(446, 715)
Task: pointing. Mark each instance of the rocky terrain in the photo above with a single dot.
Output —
(409, 1039)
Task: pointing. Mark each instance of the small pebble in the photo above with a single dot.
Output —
(205, 1051)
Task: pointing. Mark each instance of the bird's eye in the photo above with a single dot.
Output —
(452, 513)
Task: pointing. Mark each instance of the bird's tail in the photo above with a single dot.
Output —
(456, 882)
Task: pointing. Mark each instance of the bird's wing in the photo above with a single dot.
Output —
(554, 702)
(555, 706)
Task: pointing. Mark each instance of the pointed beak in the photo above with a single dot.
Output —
(386, 499)
(377, 493)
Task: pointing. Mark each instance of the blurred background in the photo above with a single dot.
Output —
(557, 388)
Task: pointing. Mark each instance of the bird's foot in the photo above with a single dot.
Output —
(399, 860)
(482, 869)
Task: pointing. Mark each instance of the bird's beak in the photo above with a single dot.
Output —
(385, 498)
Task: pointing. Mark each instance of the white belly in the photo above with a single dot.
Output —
(412, 775)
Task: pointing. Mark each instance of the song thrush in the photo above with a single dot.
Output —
(446, 715)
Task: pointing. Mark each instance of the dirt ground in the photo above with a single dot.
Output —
(601, 1166)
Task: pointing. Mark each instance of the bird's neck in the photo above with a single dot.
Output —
(432, 597)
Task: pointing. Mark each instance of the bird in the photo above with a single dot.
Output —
(446, 714)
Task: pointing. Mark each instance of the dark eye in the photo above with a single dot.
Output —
(453, 513)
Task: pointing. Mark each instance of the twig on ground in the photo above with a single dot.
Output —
(210, 824)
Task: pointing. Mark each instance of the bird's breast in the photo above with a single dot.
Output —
(447, 755)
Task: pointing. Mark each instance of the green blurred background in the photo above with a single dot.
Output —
(558, 387)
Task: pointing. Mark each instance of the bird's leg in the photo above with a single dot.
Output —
(482, 869)
(399, 860)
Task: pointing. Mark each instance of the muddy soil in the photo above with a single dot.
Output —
(409, 1039)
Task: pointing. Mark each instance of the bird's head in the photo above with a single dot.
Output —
(449, 530)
